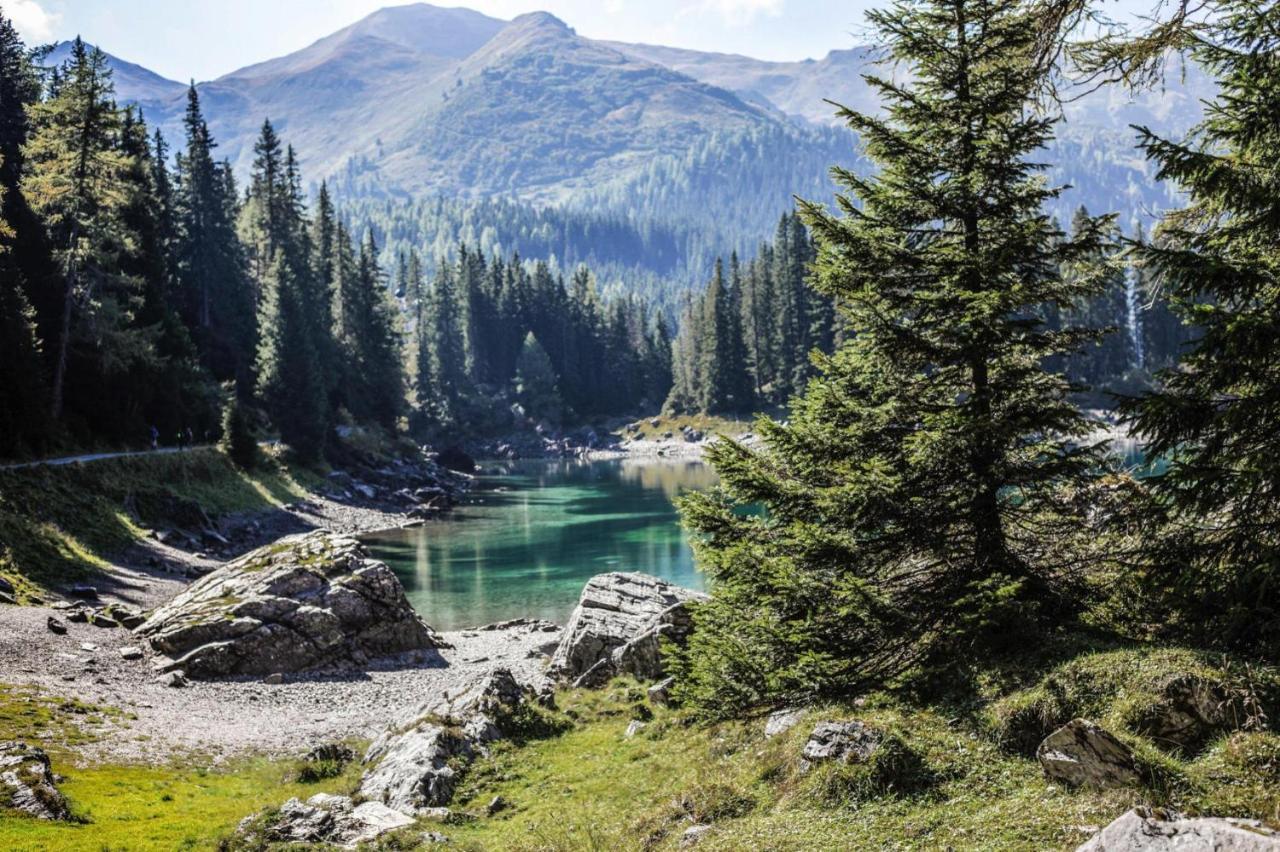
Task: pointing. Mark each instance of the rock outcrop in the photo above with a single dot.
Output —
(415, 768)
(27, 783)
(1083, 754)
(617, 628)
(1145, 830)
(324, 818)
(306, 601)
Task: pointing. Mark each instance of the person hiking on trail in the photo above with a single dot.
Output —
(182, 439)
(155, 437)
(191, 438)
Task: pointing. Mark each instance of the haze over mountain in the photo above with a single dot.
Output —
(420, 101)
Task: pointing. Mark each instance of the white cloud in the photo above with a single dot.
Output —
(741, 12)
(31, 20)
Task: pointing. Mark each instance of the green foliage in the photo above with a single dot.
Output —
(921, 502)
(238, 441)
(535, 383)
(1216, 527)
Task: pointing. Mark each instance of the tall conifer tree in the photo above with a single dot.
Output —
(914, 507)
(1217, 416)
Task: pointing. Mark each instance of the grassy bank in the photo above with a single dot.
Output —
(60, 524)
(954, 777)
(955, 772)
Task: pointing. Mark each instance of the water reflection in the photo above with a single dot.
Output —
(537, 531)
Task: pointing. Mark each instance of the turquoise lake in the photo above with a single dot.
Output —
(534, 532)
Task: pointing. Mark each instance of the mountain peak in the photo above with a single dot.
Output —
(532, 21)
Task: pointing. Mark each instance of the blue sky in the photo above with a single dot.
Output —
(202, 39)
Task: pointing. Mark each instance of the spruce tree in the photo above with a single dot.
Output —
(215, 296)
(535, 383)
(1217, 416)
(915, 507)
(21, 372)
(76, 180)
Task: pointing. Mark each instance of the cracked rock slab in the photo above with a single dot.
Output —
(1148, 830)
(303, 602)
(617, 627)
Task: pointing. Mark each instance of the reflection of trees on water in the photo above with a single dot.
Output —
(672, 478)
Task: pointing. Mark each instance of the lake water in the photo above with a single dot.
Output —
(536, 531)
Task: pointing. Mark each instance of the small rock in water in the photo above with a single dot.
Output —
(273, 679)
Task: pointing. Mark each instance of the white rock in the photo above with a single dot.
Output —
(1143, 830)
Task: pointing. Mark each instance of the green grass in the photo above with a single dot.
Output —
(61, 524)
(178, 805)
(573, 781)
(708, 424)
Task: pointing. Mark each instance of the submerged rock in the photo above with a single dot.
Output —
(27, 783)
(1147, 830)
(306, 601)
(1083, 754)
(618, 625)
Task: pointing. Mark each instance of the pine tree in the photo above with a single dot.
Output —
(290, 382)
(77, 181)
(1217, 529)
(370, 343)
(913, 506)
(21, 377)
(535, 383)
(215, 295)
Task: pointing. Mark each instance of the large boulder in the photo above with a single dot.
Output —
(417, 767)
(1083, 754)
(617, 628)
(27, 783)
(1145, 830)
(1190, 711)
(306, 601)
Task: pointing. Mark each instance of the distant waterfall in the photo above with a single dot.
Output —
(1134, 318)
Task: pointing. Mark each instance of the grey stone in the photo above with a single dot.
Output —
(847, 742)
(617, 627)
(415, 769)
(27, 781)
(174, 679)
(130, 652)
(1082, 753)
(1148, 830)
(326, 818)
(660, 692)
(693, 835)
(634, 728)
(273, 679)
(56, 626)
(1190, 711)
(781, 721)
(306, 601)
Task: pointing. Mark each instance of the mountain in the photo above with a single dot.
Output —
(133, 82)
(418, 102)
